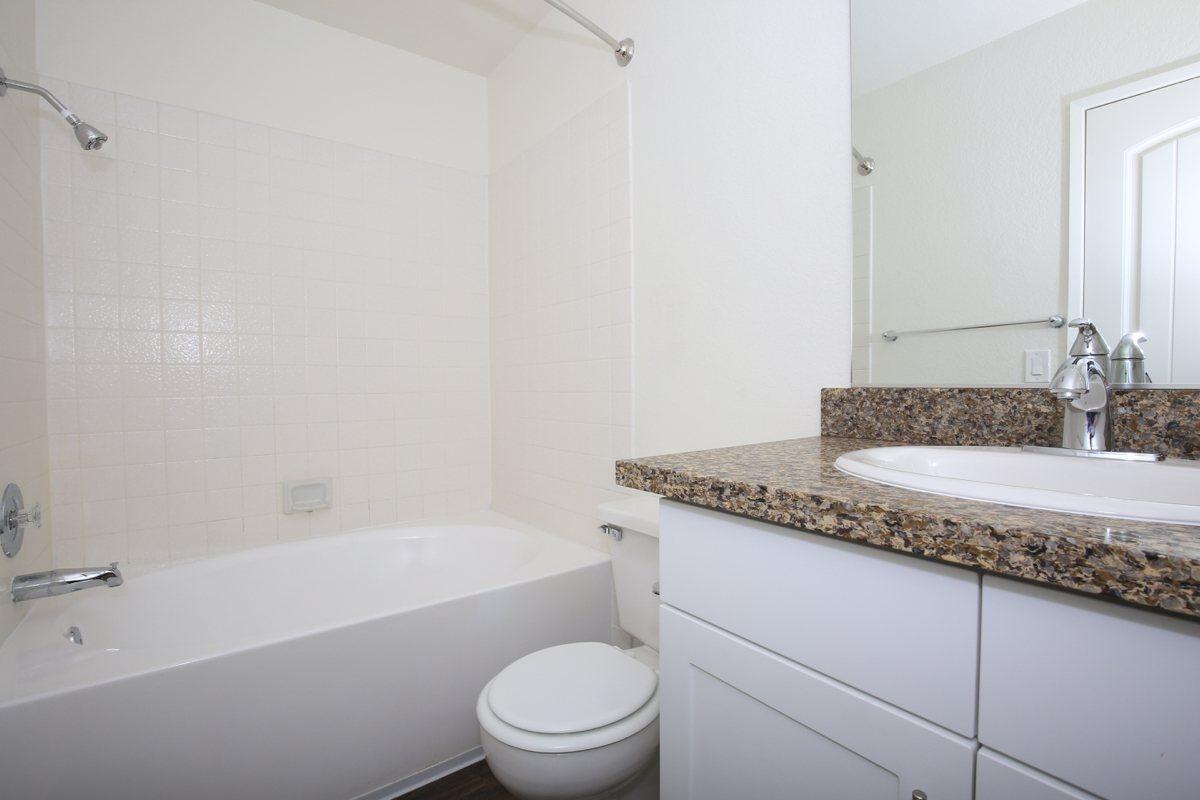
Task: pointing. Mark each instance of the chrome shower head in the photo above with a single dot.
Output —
(89, 137)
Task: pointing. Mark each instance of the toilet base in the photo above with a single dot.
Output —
(624, 770)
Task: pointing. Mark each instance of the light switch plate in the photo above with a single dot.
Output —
(1037, 366)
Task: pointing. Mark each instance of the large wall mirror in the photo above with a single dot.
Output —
(1019, 163)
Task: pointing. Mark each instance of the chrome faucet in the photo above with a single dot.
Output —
(1081, 384)
(64, 581)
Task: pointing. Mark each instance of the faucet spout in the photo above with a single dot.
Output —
(64, 581)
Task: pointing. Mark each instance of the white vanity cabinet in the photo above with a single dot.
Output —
(896, 627)
(1102, 696)
(795, 666)
(1000, 778)
(741, 722)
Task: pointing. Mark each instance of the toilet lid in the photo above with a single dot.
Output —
(571, 688)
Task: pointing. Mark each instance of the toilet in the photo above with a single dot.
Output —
(580, 721)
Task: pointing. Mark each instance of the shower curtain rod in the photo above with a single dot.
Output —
(622, 50)
(866, 165)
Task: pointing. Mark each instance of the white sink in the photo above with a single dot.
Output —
(1163, 491)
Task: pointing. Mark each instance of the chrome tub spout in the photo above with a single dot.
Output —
(64, 581)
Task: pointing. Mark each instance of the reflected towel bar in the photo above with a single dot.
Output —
(1056, 321)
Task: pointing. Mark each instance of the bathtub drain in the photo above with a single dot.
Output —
(74, 635)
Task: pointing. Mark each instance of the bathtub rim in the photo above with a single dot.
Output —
(593, 559)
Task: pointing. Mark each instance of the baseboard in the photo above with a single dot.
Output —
(429, 775)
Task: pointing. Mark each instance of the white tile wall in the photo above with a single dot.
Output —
(22, 348)
(561, 270)
(230, 306)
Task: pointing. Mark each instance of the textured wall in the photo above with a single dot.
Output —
(970, 192)
(23, 456)
(741, 201)
(230, 306)
(561, 330)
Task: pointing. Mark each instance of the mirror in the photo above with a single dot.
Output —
(1018, 163)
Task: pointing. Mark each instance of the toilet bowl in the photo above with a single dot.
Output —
(579, 721)
(574, 721)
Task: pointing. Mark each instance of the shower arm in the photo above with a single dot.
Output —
(88, 136)
(7, 83)
(622, 50)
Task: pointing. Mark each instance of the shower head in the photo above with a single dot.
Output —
(89, 137)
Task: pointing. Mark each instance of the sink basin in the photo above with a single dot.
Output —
(1163, 491)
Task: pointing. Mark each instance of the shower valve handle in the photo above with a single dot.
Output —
(26, 518)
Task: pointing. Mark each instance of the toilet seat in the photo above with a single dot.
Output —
(569, 698)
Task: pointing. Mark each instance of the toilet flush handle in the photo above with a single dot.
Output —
(655, 590)
(613, 532)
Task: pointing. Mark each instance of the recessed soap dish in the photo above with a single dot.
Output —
(310, 494)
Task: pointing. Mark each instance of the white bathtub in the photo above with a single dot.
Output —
(337, 668)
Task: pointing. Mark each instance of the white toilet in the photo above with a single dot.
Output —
(580, 720)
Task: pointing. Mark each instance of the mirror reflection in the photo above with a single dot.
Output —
(1019, 164)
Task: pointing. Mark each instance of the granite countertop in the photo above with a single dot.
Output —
(795, 483)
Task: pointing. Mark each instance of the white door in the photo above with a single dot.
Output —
(1000, 778)
(1142, 225)
(738, 721)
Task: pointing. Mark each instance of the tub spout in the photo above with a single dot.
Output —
(64, 581)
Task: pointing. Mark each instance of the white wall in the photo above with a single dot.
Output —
(230, 306)
(740, 236)
(970, 190)
(23, 456)
(276, 269)
(741, 202)
(253, 62)
(560, 274)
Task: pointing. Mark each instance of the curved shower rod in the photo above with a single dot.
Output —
(622, 50)
(866, 164)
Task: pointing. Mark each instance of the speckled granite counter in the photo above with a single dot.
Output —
(795, 483)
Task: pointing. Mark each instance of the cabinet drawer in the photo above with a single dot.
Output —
(897, 627)
(1000, 778)
(1102, 696)
(739, 721)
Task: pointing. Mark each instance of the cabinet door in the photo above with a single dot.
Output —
(1000, 778)
(1100, 695)
(738, 721)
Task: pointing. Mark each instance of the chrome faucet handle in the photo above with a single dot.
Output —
(27, 518)
(14, 518)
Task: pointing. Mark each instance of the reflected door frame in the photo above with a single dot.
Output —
(1077, 161)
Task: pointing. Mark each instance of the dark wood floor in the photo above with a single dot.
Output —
(475, 782)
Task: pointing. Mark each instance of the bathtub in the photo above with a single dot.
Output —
(335, 668)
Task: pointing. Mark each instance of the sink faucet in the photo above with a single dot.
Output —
(1081, 384)
(64, 581)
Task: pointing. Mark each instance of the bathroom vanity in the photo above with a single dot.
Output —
(826, 636)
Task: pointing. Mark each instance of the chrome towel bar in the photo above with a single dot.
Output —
(1055, 321)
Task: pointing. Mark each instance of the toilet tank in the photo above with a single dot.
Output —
(635, 564)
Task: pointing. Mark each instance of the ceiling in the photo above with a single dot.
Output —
(474, 35)
(892, 39)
